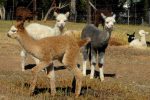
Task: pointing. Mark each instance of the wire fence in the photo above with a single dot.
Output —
(123, 17)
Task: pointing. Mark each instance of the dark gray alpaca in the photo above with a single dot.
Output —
(98, 44)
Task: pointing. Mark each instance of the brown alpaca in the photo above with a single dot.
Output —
(47, 50)
(23, 13)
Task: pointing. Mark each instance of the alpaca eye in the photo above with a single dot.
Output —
(58, 20)
(65, 20)
(13, 30)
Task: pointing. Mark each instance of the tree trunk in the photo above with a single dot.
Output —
(34, 9)
(73, 10)
(88, 12)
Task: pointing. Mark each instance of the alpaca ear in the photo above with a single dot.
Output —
(20, 24)
(103, 16)
(67, 14)
(134, 33)
(127, 34)
(114, 16)
(55, 14)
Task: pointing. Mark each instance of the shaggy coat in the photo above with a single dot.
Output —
(47, 50)
(98, 44)
(38, 31)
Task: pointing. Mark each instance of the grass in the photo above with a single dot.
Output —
(14, 85)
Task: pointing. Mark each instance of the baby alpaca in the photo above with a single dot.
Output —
(140, 43)
(98, 44)
(131, 37)
(38, 31)
(47, 50)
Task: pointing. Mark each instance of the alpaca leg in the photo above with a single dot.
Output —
(35, 71)
(51, 75)
(69, 60)
(93, 64)
(23, 57)
(85, 57)
(100, 64)
(79, 77)
(37, 61)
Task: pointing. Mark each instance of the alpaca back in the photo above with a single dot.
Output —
(98, 38)
(38, 31)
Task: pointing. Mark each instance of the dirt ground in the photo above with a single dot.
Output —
(122, 64)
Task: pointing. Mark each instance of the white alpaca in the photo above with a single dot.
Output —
(38, 31)
(140, 43)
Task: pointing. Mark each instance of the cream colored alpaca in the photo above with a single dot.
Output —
(47, 50)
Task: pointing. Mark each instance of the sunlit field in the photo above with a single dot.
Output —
(126, 70)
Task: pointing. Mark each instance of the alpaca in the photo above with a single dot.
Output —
(38, 31)
(98, 44)
(60, 47)
(97, 18)
(131, 37)
(140, 43)
(23, 13)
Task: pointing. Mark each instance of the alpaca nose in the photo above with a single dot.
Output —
(8, 35)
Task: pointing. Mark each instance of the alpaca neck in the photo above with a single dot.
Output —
(58, 30)
(108, 31)
(26, 41)
(143, 40)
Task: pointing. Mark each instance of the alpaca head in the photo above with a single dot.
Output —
(61, 19)
(109, 21)
(131, 37)
(142, 33)
(15, 29)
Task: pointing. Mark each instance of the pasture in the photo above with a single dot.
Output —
(126, 70)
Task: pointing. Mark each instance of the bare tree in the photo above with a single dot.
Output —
(54, 7)
(73, 14)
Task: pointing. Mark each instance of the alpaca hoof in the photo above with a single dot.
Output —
(76, 95)
(32, 94)
(53, 94)
(102, 79)
(84, 74)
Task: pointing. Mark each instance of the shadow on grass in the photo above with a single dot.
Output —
(30, 66)
(60, 90)
(97, 74)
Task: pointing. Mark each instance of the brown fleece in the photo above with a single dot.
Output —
(49, 49)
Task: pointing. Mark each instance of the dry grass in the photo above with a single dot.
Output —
(128, 85)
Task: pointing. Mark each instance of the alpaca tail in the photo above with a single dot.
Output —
(84, 42)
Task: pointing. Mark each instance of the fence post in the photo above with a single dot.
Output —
(149, 16)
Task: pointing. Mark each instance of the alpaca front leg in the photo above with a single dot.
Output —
(23, 55)
(100, 64)
(35, 71)
(84, 67)
(37, 61)
(51, 76)
(85, 57)
(93, 65)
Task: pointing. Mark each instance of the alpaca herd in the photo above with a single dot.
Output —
(38, 31)
(46, 44)
(138, 43)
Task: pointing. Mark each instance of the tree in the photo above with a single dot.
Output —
(73, 14)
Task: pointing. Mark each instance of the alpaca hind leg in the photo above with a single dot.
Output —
(51, 76)
(69, 60)
(23, 55)
(93, 64)
(100, 64)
